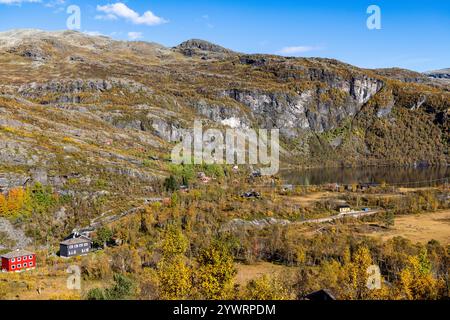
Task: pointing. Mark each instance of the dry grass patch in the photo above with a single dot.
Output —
(247, 272)
(421, 227)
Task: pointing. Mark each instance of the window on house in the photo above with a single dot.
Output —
(24, 258)
(70, 247)
(76, 246)
(19, 266)
(13, 267)
(25, 265)
(19, 258)
(30, 264)
(30, 257)
(13, 260)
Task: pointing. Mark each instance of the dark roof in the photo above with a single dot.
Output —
(17, 253)
(81, 239)
(321, 295)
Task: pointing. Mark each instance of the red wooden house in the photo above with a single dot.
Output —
(18, 260)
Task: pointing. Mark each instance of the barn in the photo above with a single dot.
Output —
(18, 260)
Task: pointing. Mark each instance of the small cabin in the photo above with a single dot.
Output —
(75, 246)
(321, 295)
(287, 187)
(256, 174)
(184, 188)
(344, 208)
(19, 260)
(369, 185)
(205, 180)
(251, 194)
(201, 175)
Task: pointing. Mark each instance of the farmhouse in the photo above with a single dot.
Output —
(75, 246)
(19, 260)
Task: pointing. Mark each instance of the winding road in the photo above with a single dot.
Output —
(352, 214)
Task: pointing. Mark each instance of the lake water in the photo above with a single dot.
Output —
(402, 176)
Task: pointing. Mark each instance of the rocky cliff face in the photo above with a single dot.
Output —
(440, 74)
(307, 110)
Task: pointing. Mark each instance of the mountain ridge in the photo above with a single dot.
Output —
(191, 44)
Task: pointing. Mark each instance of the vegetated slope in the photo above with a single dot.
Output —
(74, 105)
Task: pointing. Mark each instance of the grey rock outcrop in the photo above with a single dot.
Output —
(10, 180)
(68, 90)
(16, 236)
(439, 74)
(224, 114)
(296, 112)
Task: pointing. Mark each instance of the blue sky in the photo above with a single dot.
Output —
(414, 34)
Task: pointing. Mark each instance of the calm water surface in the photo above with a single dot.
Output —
(423, 176)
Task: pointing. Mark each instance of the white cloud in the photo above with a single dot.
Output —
(54, 3)
(106, 17)
(205, 17)
(120, 10)
(18, 2)
(134, 35)
(93, 33)
(297, 50)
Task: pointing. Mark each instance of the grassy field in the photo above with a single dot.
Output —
(421, 228)
(247, 272)
(43, 283)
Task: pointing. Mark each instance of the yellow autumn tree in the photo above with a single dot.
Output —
(15, 202)
(175, 278)
(356, 275)
(3, 205)
(174, 273)
(266, 288)
(416, 281)
(215, 272)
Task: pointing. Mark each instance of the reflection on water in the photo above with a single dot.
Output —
(423, 176)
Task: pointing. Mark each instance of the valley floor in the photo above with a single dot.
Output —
(49, 280)
(420, 228)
